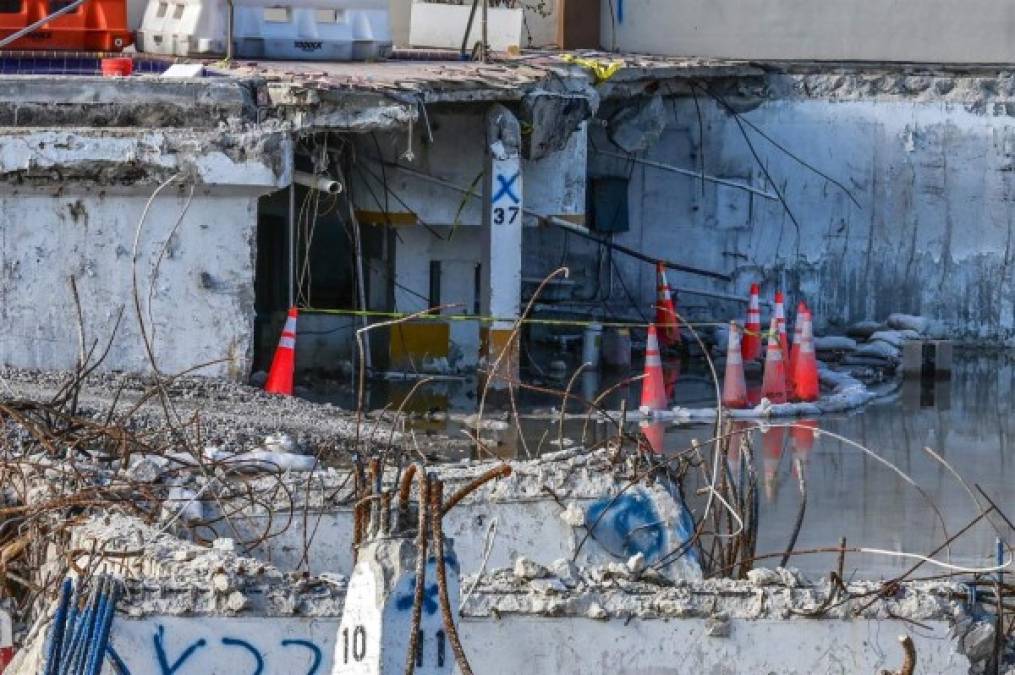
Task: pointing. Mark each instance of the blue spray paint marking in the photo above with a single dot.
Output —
(406, 589)
(620, 11)
(507, 188)
(627, 525)
(312, 647)
(403, 601)
(258, 659)
(160, 652)
(118, 665)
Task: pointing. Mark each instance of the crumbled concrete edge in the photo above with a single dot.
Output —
(167, 576)
(624, 591)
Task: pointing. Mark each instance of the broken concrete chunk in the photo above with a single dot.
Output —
(908, 322)
(566, 571)
(236, 601)
(548, 586)
(791, 577)
(529, 569)
(573, 515)
(636, 564)
(978, 642)
(762, 576)
(147, 470)
(596, 611)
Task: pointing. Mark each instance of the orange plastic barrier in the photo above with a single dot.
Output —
(97, 25)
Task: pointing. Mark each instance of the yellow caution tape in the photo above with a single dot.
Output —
(601, 70)
(494, 319)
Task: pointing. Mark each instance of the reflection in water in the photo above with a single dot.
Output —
(849, 494)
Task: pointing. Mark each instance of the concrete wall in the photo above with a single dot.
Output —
(642, 521)
(655, 647)
(937, 31)
(223, 645)
(202, 299)
(928, 159)
(539, 27)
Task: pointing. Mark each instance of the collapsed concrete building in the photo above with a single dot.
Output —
(157, 230)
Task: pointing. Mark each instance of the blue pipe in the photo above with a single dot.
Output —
(81, 630)
(55, 649)
(97, 611)
(72, 616)
(102, 639)
(75, 640)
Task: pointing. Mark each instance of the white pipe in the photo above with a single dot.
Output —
(322, 183)
(13, 37)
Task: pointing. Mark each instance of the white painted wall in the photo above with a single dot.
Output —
(202, 299)
(548, 646)
(539, 24)
(937, 31)
(551, 646)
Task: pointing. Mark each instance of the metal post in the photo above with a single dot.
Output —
(229, 31)
(290, 245)
(486, 45)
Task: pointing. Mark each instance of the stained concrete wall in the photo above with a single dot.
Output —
(72, 205)
(577, 645)
(928, 159)
(936, 31)
(201, 300)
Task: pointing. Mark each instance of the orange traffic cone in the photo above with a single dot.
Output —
(805, 375)
(794, 351)
(752, 329)
(802, 436)
(773, 386)
(654, 433)
(666, 311)
(780, 322)
(653, 388)
(280, 377)
(734, 392)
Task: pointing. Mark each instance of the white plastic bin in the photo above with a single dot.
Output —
(313, 30)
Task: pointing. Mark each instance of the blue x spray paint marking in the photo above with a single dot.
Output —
(507, 188)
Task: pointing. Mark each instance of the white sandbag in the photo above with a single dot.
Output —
(908, 321)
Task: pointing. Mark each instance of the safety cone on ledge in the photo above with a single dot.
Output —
(751, 345)
(666, 311)
(280, 377)
(805, 375)
(653, 387)
(734, 391)
(794, 351)
(773, 386)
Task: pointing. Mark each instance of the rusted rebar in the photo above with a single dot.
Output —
(502, 471)
(436, 517)
(421, 555)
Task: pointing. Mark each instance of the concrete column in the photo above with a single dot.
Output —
(502, 240)
(373, 637)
